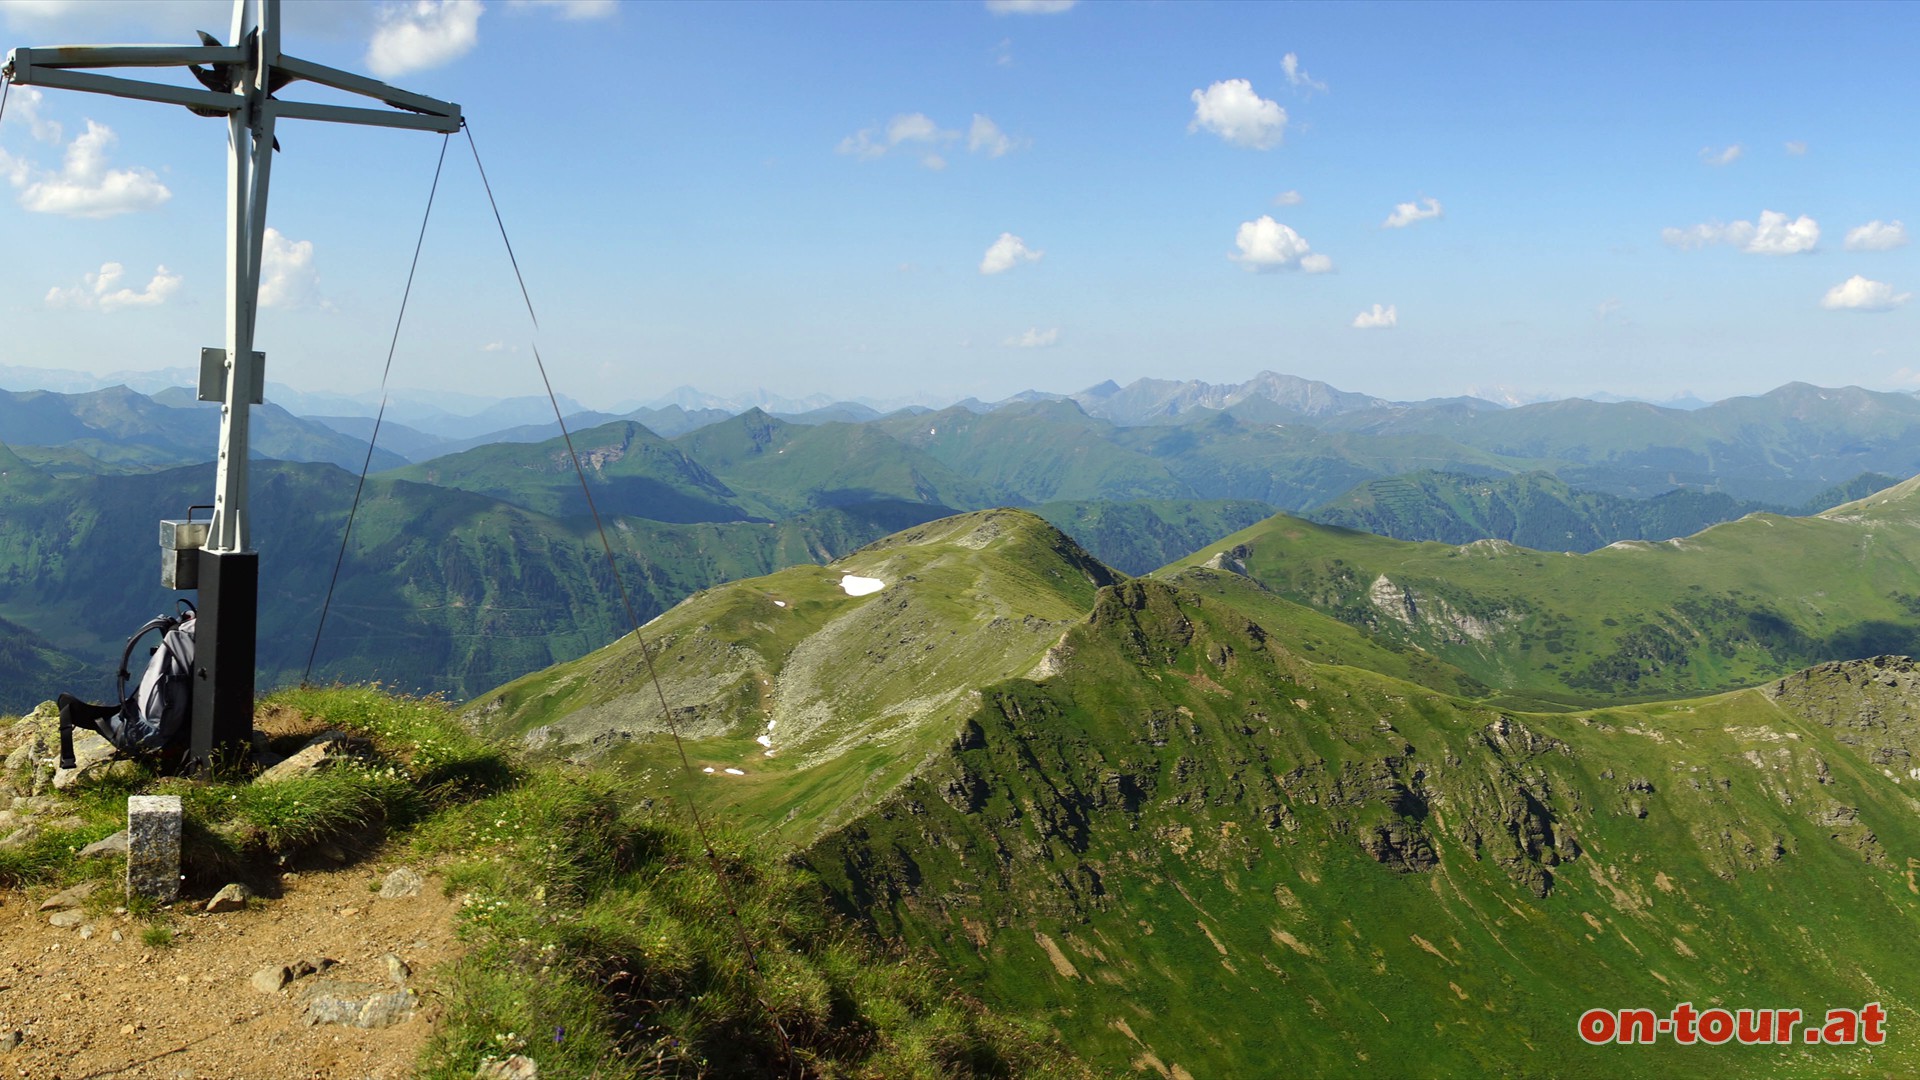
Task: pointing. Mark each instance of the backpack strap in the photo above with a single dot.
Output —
(162, 623)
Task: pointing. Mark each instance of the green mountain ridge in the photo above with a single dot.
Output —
(1733, 605)
(632, 471)
(1195, 850)
(1186, 820)
(792, 677)
(120, 427)
(781, 468)
(1537, 510)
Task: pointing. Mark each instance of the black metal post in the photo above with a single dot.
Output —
(224, 657)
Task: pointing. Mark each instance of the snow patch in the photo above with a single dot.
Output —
(779, 603)
(855, 585)
(735, 772)
(708, 769)
(764, 740)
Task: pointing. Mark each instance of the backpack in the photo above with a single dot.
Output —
(154, 718)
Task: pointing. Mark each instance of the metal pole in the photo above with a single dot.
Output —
(229, 567)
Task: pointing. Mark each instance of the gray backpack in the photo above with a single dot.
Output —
(155, 717)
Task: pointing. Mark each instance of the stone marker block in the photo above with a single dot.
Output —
(153, 847)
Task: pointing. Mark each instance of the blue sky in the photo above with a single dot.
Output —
(1641, 199)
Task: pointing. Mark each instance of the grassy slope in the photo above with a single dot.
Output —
(1038, 452)
(1236, 858)
(30, 668)
(1137, 537)
(1538, 511)
(1731, 606)
(630, 469)
(780, 468)
(582, 915)
(852, 691)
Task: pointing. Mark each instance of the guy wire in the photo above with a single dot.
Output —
(646, 654)
(379, 415)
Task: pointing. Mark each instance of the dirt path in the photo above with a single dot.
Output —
(89, 1006)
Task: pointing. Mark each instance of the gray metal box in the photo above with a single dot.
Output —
(180, 544)
(213, 375)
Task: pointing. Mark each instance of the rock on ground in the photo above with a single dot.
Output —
(321, 752)
(517, 1067)
(232, 897)
(356, 1004)
(401, 884)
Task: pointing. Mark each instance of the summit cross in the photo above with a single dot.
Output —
(239, 82)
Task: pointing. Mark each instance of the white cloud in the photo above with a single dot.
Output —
(1774, 235)
(1406, 213)
(499, 346)
(1858, 294)
(1288, 198)
(85, 187)
(986, 137)
(1231, 110)
(571, 10)
(1723, 155)
(1696, 236)
(1877, 236)
(861, 144)
(1003, 53)
(1267, 245)
(1006, 253)
(1029, 7)
(23, 107)
(1797, 148)
(1380, 318)
(1034, 338)
(287, 275)
(913, 127)
(1608, 310)
(1298, 77)
(907, 132)
(99, 290)
(423, 34)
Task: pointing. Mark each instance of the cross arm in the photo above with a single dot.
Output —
(344, 114)
(97, 56)
(23, 70)
(373, 88)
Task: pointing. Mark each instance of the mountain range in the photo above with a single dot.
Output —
(753, 492)
(1206, 820)
(1055, 690)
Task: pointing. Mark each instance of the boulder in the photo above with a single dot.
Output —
(112, 845)
(68, 899)
(271, 979)
(232, 897)
(356, 1004)
(401, 884)
(323, 751)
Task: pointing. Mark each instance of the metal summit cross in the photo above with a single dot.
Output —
(239, 83)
